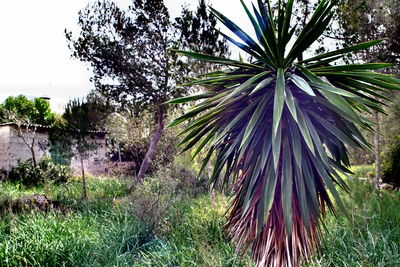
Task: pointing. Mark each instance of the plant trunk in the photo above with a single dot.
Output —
(33, 157)
(84, 193)
(153, 144)
(377, 151)
(119, 160)
(119, 152)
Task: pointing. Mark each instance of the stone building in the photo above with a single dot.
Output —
(13, 147)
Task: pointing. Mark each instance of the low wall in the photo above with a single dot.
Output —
(4, 147)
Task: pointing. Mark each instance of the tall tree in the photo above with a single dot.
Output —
(362, 20)
(130, 53)
(279, 127)
(195, 33)
(35, 111)
(71, 137)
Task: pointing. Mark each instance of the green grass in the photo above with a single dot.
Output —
(103, 187)
(84, 233)
(363, 171)
(193, 237)
(371, 234)
(101, 231)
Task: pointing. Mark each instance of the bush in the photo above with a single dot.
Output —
(45, 171)
(133, 143)
(33, 202)
(153, 199)
(188, 182)
(391, 165)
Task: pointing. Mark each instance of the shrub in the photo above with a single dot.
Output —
(158, 195)
(45, 171)
(35, 201)
(391, 165)
(135, 143)
(188, 182)
(153, 199)
(193, 236)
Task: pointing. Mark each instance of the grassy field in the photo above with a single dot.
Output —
(371, 234)
(102, 231)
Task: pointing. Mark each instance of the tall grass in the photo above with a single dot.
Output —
(103, 187)
(101, 231)
(93, 232)
(371, 234)
(193, 237)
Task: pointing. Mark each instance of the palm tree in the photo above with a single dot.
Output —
(279, 126)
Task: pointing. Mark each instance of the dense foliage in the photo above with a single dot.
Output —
(35, 111)
(363, 20)
(279, 126)
(391, 166)
(129, 50)
(391, 152)
(45, 171)
(130, 53)
(359, 21)
(129, 138)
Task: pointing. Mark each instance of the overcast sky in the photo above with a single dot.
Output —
(34, 57)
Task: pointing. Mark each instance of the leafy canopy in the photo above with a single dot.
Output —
(129, 50)
(35, 111)
(279, 126)
(71, 135)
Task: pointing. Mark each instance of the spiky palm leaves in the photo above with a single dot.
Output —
(279, 127)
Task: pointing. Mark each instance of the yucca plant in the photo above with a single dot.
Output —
(279, 126)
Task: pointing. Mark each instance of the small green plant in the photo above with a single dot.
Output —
(46, 171)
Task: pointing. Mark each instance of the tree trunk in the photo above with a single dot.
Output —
(119, 153)
(119, 160)
(153, 144)
(33, 157)
(84, 193)
(377, 151)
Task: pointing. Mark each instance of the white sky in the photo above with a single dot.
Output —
(34, 56)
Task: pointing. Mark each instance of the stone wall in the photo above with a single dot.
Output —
(95, 164)
(4, 147)
(12, 148)
(18, 149)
